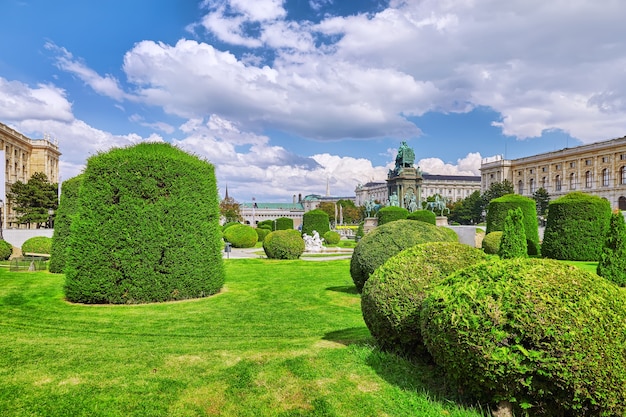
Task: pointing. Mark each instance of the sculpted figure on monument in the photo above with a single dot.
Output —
(404, 159)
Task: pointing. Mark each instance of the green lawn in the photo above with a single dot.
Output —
(284, 338)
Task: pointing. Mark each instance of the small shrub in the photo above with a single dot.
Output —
(612, 264)
(513, 243)
(6, 250)
(491, 242)
(392, 297)
(283, 244)
(315, 220)
(332, 238)
(360, 231)
(423, 216)
(37, 244)
(262, 233)
(241, 236)
(498, 209)
(229, 224)
(390, 214)
(534, 332)
(284, 223)
(387, 240)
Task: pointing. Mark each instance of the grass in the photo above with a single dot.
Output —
(284, 338)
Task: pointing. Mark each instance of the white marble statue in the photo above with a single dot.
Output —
(312, 243)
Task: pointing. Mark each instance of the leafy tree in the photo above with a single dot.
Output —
(351, 213)
(32, 200)
(230, 210)
(468, 210)
(497, 189)
(328, 208)
(542, 198)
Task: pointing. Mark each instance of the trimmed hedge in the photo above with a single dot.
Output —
(387, 240)
(284, 223)
(68, 206)
(498, 209)
(332, 237)
(543, 335)
(392, 297)
(612, 264)
(241, 236)
(266, 224)
(390, 214)
(37, 244)
(283, 244)
(262, 233)
(6, 250)
(423, 216)
(576, 227)
(491, 242)
(513, 243)
(229, 224)
(315, 220)
(147, 228)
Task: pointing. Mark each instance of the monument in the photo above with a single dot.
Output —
(404, 182)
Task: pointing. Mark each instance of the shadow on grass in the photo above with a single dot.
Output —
(349, 336)
(348, 289)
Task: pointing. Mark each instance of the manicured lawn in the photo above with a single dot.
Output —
(284, 338)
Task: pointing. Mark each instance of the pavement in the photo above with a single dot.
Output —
(333, 254)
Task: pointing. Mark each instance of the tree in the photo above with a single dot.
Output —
(32, 200)
(497, 189)
(612, 264)
(328, 208)
(230, 210)
(467, 211)
(542, 198)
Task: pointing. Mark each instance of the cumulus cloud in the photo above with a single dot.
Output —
(469, 165)
(19, 101)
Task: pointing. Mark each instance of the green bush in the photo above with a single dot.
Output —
(390, 214)
(332, 238)
(262, 233)
(37, 244)
(387, 240)
(491, 242)
(423, 216)
(6, 250)
(360, 232)
(498, 209)
(147, 228)
(513, 243)
(68, 205)
(241, 236)
(535, 332)
(284, 223)
(315, 220)
(266, 224)
(451, 233)
(229, 224)
(576, 227)
(283, 244)
(392, 297)
(612, 264)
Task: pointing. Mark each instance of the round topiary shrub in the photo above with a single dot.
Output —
(37, 244)
(387, 240)
(241, 236)
(6, 250)
(262, 233)
(147, 228)
(284, 223)
(390, 214)
(315, 220)
(266, 224)
(423, 216)
(491, 242)
(68, 206)
(332, 238)
(283, 244)
(229, 224)
(576, 227)
(392, 297)
(498, 209)
(545, 336)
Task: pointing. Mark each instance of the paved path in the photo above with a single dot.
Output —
(237, 253)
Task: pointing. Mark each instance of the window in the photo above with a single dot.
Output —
(543, 169)
(622, 176)
(543, 183)
(557, 166)
(587, 162)
(572, 164)
(520, 187)
(557, 183)
(491, 176)
(519, 173)
(532, 171)
(605, 159)
(531, 185)
(572, 181)
(605, 177)
(588, 179)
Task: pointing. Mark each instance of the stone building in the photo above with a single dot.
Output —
(597, 168)
(22, 157)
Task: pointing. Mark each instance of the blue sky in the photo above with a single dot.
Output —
(285, 95)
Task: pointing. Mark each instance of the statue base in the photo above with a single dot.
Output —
(441, 221)
(369, 224)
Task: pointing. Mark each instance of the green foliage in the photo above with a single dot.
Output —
(6, 250)
(37, 244)
(230, 210)
(315, 220)
(390, 214)
(535, 332)
(491, 242)
(576, 227)
(612, 264)
(498, 210)
(360, 230)
(392, 297)
(284, 223)
(513, 242)
(542, 200)
(497, 190)
(469, 210)
(241, 236)
(262, 233)
(332, 238)
(387, 240)
(32, 200)
(423, 216)
(283, 244)
(147, 228)
(267, 224)
(229, 224)
(68, 207)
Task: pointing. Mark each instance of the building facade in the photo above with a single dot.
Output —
(598, 168)
(22, 158)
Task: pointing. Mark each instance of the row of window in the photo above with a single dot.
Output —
(558, 182)
(572, 164)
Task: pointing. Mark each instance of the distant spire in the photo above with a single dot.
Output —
(226, 196)
(327, 186)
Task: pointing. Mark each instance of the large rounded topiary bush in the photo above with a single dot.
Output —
(423, 216)
(392, 297)
(284, 223)
(498, 209)
(283, 244)
(315, 220)
(387, 240)
(241, 236)
(491, 242)
(68, 205)
(6, 250)
(147, 228)
(390, 214)
(576, 227)
(37, 244)
(534, 332)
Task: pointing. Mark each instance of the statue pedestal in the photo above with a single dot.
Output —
(441, 221)
(370, 223)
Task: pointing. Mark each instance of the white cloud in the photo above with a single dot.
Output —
(19, 101)
(469, 165)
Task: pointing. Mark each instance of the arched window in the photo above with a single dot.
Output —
(557, 183)
(520, 187)
(588, 179)
(621, 203)
(572, 181)
(531, 185)
(605, 177)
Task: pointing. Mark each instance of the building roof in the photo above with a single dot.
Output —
(435, 177)
(273, 206)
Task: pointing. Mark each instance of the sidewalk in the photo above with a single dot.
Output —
(251, 253)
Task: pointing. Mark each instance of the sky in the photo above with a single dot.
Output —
(287, 97)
